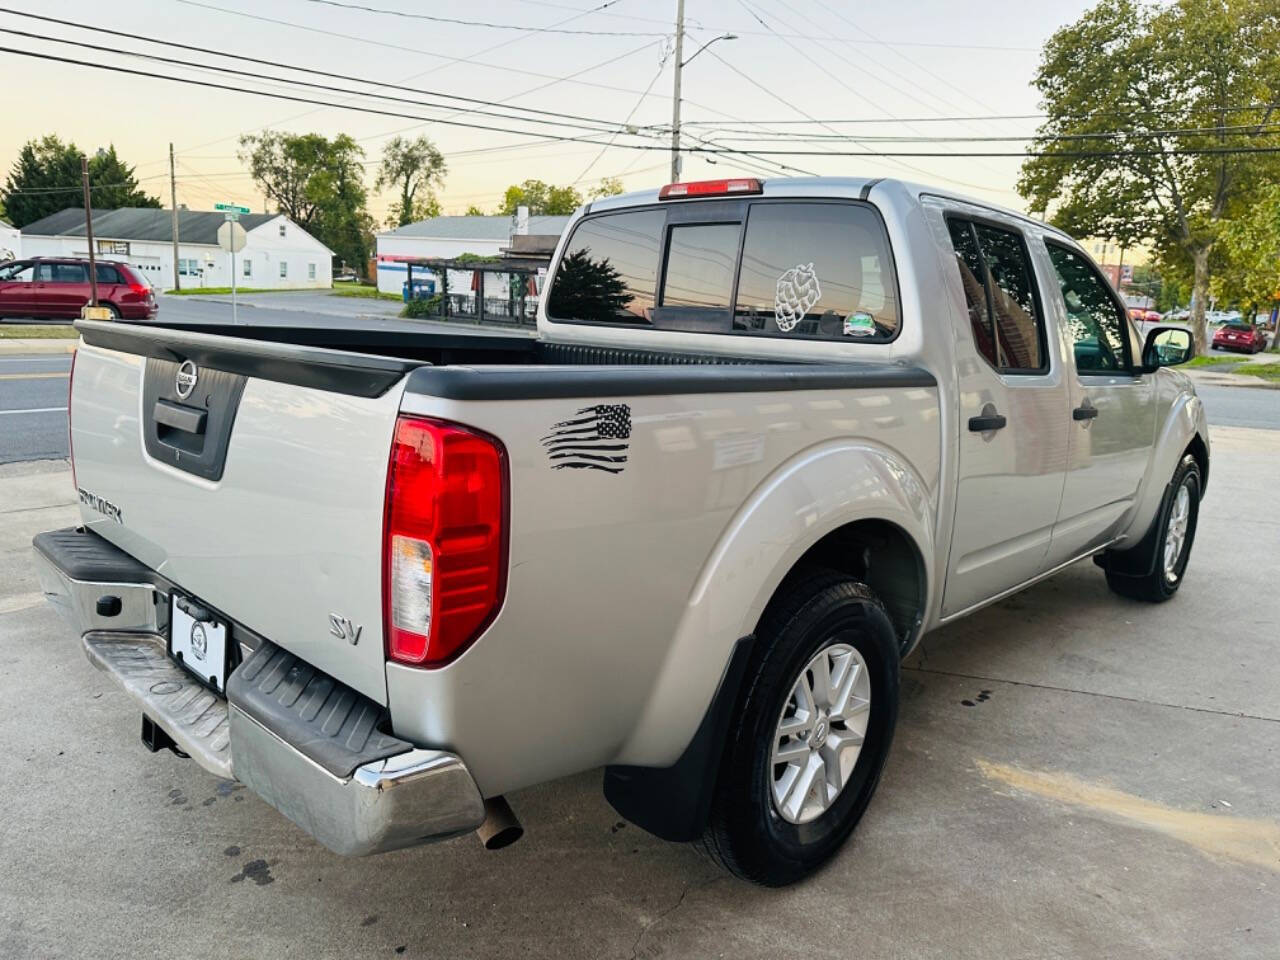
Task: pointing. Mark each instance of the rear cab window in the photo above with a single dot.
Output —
(798, 269)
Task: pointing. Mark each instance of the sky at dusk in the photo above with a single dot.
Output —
(803, 66)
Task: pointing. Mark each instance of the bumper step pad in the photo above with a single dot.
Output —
(194, 717)
(328, 722)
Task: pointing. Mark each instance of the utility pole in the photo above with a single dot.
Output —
(173, 202)
(88, 232)
(675, 105)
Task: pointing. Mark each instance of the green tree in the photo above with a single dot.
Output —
(587, 289)
(1116, 84)
(1250, 244)
(414, 168)
(46, 178)
(319, 184)
(607, 187)
(474, 211)
(542, 199)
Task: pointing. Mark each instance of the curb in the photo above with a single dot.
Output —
(51, 345)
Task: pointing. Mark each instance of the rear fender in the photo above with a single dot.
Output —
(817, 491)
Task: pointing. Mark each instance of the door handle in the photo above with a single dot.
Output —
(1085, 412)
(990, 420)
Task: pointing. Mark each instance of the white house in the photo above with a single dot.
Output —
(278, 254)
(10, 242)
(450, 237)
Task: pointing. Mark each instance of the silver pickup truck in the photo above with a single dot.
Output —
(768, 434)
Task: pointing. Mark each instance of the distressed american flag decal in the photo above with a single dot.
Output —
(594, 438)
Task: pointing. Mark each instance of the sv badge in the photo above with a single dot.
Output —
(344, 629)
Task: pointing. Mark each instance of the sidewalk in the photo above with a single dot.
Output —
(1221, 376)
(28, 347)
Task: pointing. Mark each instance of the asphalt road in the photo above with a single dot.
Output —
(1074, 775)
(33, 405)
(1241, 406)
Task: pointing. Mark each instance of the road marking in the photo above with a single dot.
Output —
(4, 413)
(1222, 836)
(23, 601)
(34, 376)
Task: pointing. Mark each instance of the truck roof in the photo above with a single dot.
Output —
(832, 186)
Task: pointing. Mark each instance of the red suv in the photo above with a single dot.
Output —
(58, 288)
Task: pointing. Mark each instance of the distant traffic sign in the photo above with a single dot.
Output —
(231, 237)
(231, 207)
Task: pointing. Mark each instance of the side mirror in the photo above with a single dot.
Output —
(1167, 347)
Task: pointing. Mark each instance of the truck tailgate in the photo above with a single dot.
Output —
(279, 534)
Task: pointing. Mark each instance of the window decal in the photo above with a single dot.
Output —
(798, 291)
(860, 324)
(595, 438)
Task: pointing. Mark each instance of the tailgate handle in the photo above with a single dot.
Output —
(179, 417)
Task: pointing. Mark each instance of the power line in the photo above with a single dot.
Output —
(562, 118)
(1251, 130)
(469, 58)
(662, 65)
(112, 68)
(615, 129)
(840, 80)
(364, 8)
(721, 151)
(348, 38)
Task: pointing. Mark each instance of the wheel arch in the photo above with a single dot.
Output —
(856, 508)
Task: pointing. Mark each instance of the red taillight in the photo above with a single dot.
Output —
(141, 289)
(445, 540)
(710, 188)
(71, 450)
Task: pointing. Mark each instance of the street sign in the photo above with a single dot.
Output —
(231, 237)
(231, 207)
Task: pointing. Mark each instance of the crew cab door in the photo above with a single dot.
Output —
(61, 289)
(17, 289)
(1012, 415)
(1112, 416)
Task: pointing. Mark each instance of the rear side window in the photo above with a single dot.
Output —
(1000, 293)
(62, 273)
(107, 274)
(816, 271)
(609, 271)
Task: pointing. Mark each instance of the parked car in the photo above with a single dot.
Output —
(1242, 337)
(56, 288)
(769, 434)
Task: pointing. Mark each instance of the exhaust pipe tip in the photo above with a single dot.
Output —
(500, 828)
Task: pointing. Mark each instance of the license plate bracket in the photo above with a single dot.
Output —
(199, 640)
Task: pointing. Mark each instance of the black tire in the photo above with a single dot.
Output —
(745, 833)
(115, 311)
(1158, 584)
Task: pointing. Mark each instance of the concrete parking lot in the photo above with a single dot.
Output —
(1074, 775)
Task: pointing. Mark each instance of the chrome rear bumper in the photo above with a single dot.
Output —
(414, 797)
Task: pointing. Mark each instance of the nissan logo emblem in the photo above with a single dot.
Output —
(186, 381)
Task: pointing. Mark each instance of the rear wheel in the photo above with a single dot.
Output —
(1172, 544)
(115, 311)
(811, 734)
